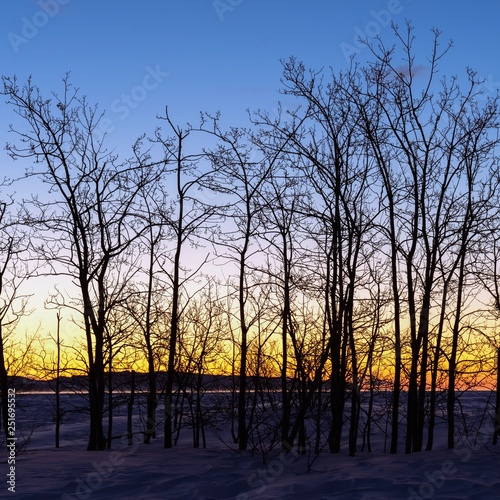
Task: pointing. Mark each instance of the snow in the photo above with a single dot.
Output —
(151, 472)
(221, 472)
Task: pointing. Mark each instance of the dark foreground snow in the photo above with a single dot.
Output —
(471, 471)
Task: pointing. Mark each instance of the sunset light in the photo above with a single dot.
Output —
(265, 231)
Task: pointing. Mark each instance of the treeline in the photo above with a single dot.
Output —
(348, 245)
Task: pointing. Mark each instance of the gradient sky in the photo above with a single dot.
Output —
(210, 55)
(215, 55)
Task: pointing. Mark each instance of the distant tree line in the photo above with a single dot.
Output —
(342, 248)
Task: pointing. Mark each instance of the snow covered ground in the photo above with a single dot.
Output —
(471, 471)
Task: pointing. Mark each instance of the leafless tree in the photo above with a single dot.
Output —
(427, 147)
(13, 303)
(185, 218)
(85, 217)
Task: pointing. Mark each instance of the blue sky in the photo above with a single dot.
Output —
(133, 58)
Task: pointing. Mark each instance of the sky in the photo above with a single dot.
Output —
(134, 58)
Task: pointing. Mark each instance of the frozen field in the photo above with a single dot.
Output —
(219, 472)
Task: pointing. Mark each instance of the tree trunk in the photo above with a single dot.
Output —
(174, 322)
(58, 381)
(242, 424)
(285, 415)
(97, 440)
(4, 388)
(454, 348)
(110, 397)
(130, 409)
(496, 429)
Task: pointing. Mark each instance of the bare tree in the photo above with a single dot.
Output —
(423, 143)
(200, 350)
(84, 219)
(280, 197)
(185, 219)
(240, 176)
(13, 304)
(325, 141)
(148, 307)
